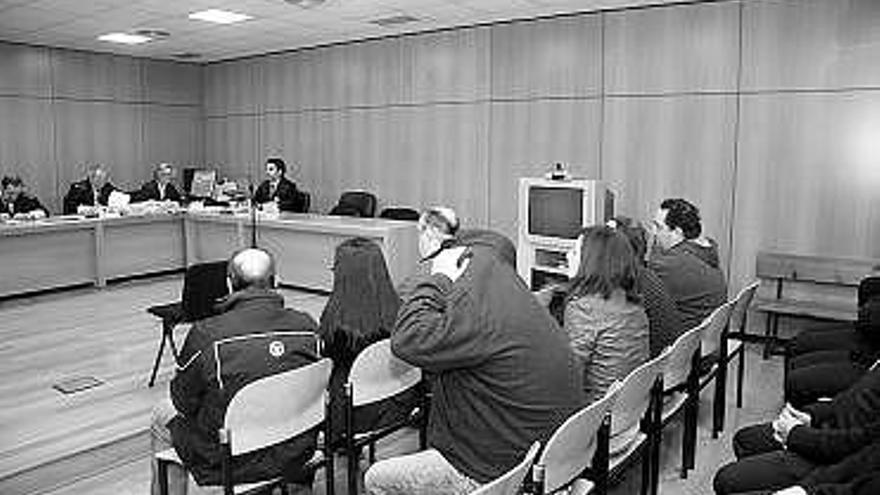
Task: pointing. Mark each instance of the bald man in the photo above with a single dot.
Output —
(252, 337)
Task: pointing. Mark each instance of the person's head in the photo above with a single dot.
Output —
(363, 305)
(12, 187)
(607, 264)
(676, 220)
(275, 168)
(251, 267)
(436, 225)
(163, 173)
(498, 243)
(98, 176)
(635, 234)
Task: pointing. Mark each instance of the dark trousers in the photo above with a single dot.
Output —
(823, 363)
(761, 464)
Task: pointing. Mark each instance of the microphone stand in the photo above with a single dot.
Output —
(253, 215)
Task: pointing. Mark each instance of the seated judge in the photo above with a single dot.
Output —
(277, 188)
(160, 188)
(92, 191)
(17, 204)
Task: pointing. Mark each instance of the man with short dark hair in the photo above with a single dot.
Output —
(687, 264)
(17, 204)
(503, 372)
(252, 337)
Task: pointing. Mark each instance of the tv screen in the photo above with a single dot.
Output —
(555, 211)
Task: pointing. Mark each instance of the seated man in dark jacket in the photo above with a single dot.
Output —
(503, 372)
(254, 336)
(17, 204)
(160, 188)
(93, 191)
(779, 454)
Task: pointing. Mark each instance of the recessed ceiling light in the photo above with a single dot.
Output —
(128, 39)
(395, 20)
(305, 4)
(219, 16)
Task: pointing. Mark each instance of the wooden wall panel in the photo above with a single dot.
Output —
(26, 71)
(172, 134)
(446, 66)
(672, 49)
(809, 176)
(232, 88)
(811, 44)
(683, 146)
(26, 145)
(231, 146)
(172, 83)
(96, 76)
(527, 137)
(547, 58)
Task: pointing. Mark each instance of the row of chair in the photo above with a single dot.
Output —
(363, 204)
(280, 407)
(596, 443)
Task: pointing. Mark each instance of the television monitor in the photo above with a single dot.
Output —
(203, 182)
(556, 211)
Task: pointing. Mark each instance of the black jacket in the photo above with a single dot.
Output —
(221, 355)
(858, 474)
(81, 193)
(289, 198)
(150, 190)
(22, 204)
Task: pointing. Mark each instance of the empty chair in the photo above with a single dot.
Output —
(267, 412)
(579, 445)
(681, 383)
(735, 337)
(203, 285)
(635, 421)
(399, 213)
(355, 204)
(376, 375)
(511, 482)
(713, 342)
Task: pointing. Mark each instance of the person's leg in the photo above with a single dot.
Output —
(806, 384)
(160, 439)
(755, 440)
(767, 471)
(426, 473)
(841, 338)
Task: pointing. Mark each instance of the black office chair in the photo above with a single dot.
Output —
(203, 285)
(299, 203)
(399, 213)
(355, 204)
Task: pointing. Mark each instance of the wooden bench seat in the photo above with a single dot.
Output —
(808, 286)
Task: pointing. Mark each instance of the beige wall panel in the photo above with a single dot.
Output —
(231, 146)
(373, 72)
(25, 70)
(527, 137)
(811, 44)
(551, 57)
(323, 77)
(96, 76)
(26, 145)
(172, 82)
(279, 82)
(672, 49)
(809, 176)
(681, 146)
(175, 135)
(231, 88)
(446, 66)
(98, 132)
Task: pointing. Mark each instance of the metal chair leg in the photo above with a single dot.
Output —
(158, 357)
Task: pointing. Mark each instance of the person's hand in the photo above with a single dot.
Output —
(544, 295)
(803, 417)
(783, 425)
(792, 490)
(451, 262)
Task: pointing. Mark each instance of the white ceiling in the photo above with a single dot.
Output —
(276, 25)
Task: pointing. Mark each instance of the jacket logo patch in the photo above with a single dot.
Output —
(276, 348)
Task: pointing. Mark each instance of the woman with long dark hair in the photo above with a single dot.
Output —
(362, 310)
(604, 317)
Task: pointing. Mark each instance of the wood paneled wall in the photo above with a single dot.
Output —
(61, 110)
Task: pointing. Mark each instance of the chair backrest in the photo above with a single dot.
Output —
(713, 326)
(278, 407)
(741, 305)
(632, 402)
(510, 482)
(678, 362)
(203, 285)
(572, 446)
(377, 374)
(361, 201)
(400, 214)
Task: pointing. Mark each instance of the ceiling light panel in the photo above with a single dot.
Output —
(219, 16)
(124, 38)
